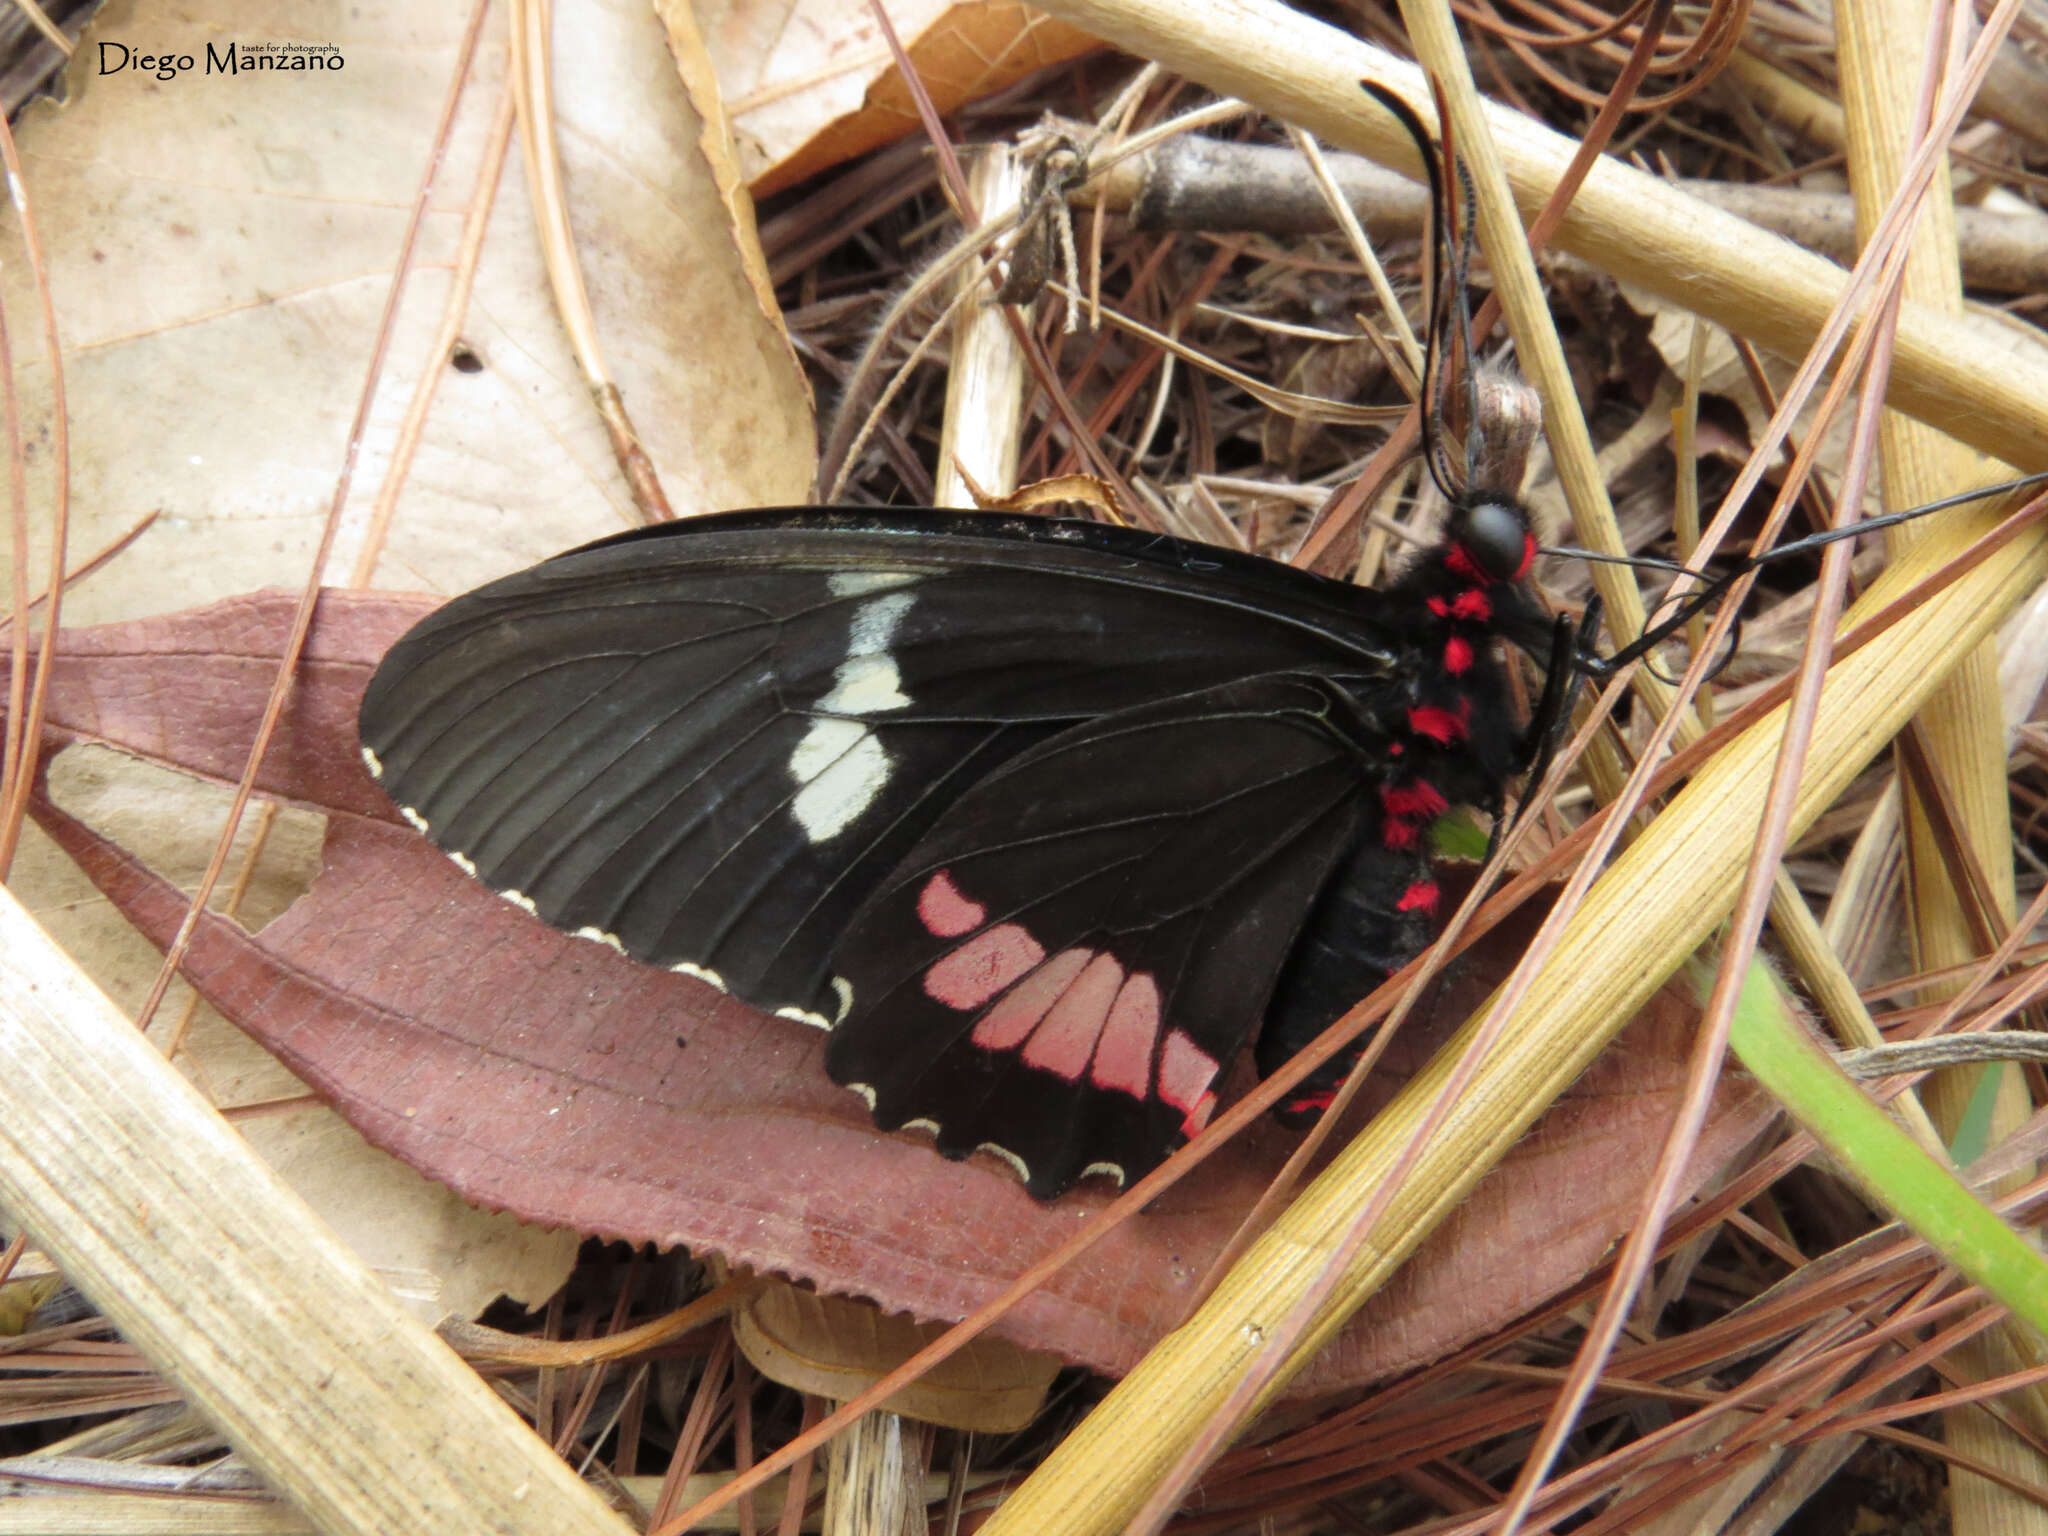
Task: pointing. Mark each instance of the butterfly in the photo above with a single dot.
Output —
(1037, 817)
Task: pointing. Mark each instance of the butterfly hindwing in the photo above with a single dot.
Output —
(1069, 958)
(708, 743)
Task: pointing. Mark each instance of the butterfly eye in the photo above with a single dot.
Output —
(1496, 533)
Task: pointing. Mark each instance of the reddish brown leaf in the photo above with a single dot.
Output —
(547, 1076)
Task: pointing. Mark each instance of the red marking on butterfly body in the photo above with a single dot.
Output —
(1459, 559)
(1319, 1100)
(945, 913)
(1419, 897)
(1457, 655)
(1416, 799)
(1406, 806)
(1441, 725)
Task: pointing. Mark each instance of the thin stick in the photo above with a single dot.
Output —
(302, 618)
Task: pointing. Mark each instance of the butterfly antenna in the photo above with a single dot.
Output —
(1712, 587)
(1439, 306)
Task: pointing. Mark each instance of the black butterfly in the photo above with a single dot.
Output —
(1037, 817)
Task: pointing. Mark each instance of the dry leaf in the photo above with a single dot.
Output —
(838, 1348)
(218, 306)
(809, 83)
(548, 1076)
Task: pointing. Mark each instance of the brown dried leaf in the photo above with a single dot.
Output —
(809, 83)
(546, 1075)
(836, 1347)
(440, 1255)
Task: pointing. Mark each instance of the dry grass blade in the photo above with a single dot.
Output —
(221, 1275)
(1884, 49)
(18, 772)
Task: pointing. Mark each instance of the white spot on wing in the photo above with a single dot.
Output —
(865, 685)
(842, 767)
(867, 680)
(844, 991)
(463, 862)
(1114, 1170)
(804, 1016)
(370, 762)
(857, 583)
(929, 1127)
(702, 973)
(601, 937)
(413, 817)
(522, 901)
(866, 1091)
(840, 763)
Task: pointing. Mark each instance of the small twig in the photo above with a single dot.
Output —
(534, 87)
(481, 1345)
(1943, 1051)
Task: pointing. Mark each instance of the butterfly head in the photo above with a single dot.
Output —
(1489, 540)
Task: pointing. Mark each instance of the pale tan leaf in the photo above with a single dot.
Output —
(810, 83)
(838, 1347)
(218, 305)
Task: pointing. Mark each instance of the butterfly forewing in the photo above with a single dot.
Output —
(1066, 962)
(709, 743)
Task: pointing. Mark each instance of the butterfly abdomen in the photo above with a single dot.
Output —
(1375, 915)
(1450, 740)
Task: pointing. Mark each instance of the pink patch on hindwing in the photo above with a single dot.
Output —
(1007, 1025)
(982, 967)
(1067, 1035)
(1123, 1059)
(1185, 1072)
(945, 913)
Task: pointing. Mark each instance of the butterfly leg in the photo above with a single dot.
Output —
(1563, 676)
